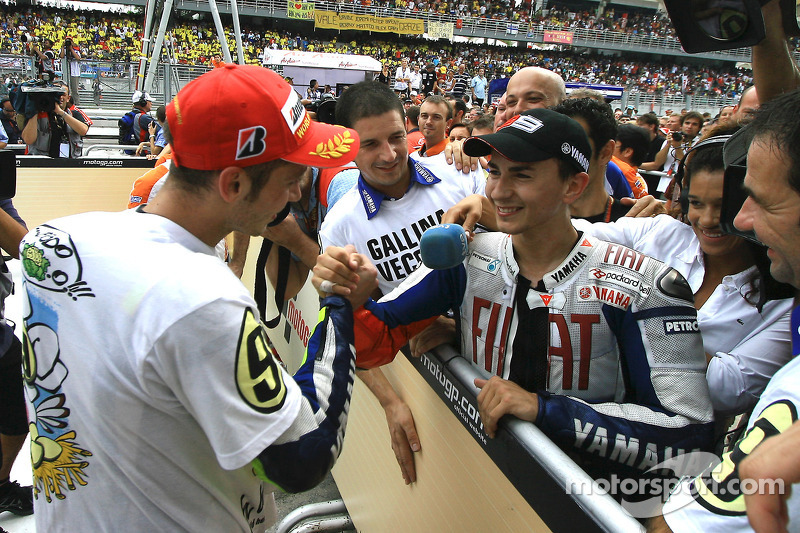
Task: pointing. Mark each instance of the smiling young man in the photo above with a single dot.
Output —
(144, 358)
(586, 339)
(395, 200)
(435, 117)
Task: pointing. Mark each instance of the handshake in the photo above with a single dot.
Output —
(348, 273)
(345, 272)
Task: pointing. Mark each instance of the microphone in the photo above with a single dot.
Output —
(444, 246)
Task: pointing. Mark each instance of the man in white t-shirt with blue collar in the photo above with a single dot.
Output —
(384, 215)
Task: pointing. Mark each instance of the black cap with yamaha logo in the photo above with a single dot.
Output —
(536, 135)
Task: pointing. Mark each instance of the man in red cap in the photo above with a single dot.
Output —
(156, 400)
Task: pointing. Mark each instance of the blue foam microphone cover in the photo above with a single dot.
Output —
(444, 246)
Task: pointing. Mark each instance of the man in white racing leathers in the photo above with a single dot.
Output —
(595, 343)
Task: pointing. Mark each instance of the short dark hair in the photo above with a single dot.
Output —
(458, 125)
(648, 118)
(161, 113)
(412, 114)
(597, 115)
(776, 124)
(637, 138)
(693, 114)
(459, 105)
(195, 181)
(366, 99)
(439, 99)
(483, 122)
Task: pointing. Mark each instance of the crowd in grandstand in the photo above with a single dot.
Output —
(103, 36)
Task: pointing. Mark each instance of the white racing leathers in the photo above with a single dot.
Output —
(625, 386)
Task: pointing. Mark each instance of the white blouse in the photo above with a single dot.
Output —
(748, 346)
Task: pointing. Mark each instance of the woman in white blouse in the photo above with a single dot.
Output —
(743, 313)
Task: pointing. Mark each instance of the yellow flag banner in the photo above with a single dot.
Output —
(349, 21)
(300, 10)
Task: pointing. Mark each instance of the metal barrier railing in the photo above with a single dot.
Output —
(601, 507)
(119, 147)
(327, 516)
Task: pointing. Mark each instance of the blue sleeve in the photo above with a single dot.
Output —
(3, 134)
(7, 206)
(160, 139)
(383, 327)
(340, 184)
(424, 294)
(620, 188)
(302, 457)
(666, 410)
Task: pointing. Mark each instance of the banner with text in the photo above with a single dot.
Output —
(300, 10)
(440, 30)
(560, 37)
(350, 21)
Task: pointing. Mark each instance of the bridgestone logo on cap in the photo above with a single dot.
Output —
(251, 142)
(527, 123)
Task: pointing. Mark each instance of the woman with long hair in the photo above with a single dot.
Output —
(742, 312)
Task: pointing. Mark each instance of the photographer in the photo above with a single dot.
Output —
(156, 143)
(57, 130)
(45, 60)
(677, 142)
(8, 119)
(71, 52)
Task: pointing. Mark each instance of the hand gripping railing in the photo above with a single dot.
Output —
(599, 507)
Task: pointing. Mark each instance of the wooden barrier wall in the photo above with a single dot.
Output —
(458, 488)
(47, 193)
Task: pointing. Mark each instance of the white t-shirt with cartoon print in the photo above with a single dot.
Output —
(150, 381)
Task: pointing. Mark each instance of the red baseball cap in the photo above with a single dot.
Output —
(244, 115)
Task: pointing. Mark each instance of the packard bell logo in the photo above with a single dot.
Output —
(251, 142)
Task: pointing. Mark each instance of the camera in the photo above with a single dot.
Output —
(68, 43)
(41, 96)
(325, 108)
(28, 38)
(704, 26)
(677, 136)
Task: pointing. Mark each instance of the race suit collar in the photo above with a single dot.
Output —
(569, 267)
(582, 250)
(371, 198)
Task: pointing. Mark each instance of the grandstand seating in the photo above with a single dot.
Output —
(108, 36)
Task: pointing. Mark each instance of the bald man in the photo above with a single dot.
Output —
(745, 110)
(529, 88)
(533, 87)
